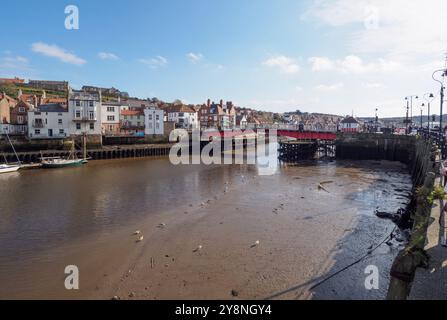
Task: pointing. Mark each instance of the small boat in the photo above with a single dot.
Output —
(6, 168)
(58, 162)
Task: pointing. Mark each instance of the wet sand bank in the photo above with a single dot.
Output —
(259, 237)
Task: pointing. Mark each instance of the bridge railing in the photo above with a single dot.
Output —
(437, 137)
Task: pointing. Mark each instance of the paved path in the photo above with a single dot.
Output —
(432, 283)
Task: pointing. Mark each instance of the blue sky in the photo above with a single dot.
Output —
(339, 56)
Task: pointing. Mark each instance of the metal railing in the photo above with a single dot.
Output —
(437, 138)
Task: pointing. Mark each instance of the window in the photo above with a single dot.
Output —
(21, 109)
(157, 117)
(92, 126)
(110, 118)
(37, 131)
(110, 128)
(59, 121)
(157, 125)
(180, 114)
(78, 126)
(91, 115)
(20, 119)
(61, 131)
(111, 109)
(90, 103)
(78, 114)
(150, 117)
(138, 124)
(150, 126)
(78, 103)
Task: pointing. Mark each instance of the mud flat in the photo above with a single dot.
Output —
(209, 232)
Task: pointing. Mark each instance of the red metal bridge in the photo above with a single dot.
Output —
(296, 134)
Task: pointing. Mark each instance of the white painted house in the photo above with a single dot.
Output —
(349, 124)
(184, 117)
(85, 111)
(110, 117)
(49, 121)
(153, 121)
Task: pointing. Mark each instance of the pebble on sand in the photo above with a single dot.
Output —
(198, 248)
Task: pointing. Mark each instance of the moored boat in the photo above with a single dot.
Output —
(6, 168)
(61, 163)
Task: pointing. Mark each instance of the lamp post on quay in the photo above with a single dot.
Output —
(443, 73)
(422, 109)
(429, 97)
(410, 103)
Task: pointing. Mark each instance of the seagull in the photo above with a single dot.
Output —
(198, 248)
(137, 232)
(140, 238)
(255, 244)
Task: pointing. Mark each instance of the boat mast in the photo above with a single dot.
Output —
(13, 149)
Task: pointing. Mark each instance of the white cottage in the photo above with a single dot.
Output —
(153, 121)
(49, 121)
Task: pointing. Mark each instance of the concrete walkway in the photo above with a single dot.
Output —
(432, 283)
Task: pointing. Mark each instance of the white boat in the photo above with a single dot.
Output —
(6, 168)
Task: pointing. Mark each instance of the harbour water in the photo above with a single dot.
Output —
(260, 236)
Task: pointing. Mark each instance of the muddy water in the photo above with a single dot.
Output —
(86, 217)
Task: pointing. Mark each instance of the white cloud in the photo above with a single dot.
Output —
(194, 57)
(284, 64)
(56, 52)
(321, 64)
(352, 64)
(399, 27)
(13, 62)
(373, 85)
(107, 56)
(330, 87)
(155, 62)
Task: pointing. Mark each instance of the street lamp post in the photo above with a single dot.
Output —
(406, 120)
(376, 120)
(441, 131)
(410, 100)
(422, 109)
(429, 97)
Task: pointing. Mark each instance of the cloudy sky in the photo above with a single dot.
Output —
(339, 56)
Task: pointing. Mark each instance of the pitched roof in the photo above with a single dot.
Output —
(181, 108)
(52, 107)
(349, 120)
(132, 112)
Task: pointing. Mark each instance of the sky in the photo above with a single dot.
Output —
(340, 57)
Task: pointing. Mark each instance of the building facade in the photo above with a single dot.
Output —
(349, 124)
(110, 118)
(49, 121)
(183, 116)
(85, 111)
(132, 122)
(153, 119)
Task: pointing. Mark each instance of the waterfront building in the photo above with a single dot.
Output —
(213, 115)
(132, 122)
(6, 103)
(85, 112)
(49, 121)
(19, 118)
(349, 124)
(110, 117)
(184, 117)
(154, 123)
